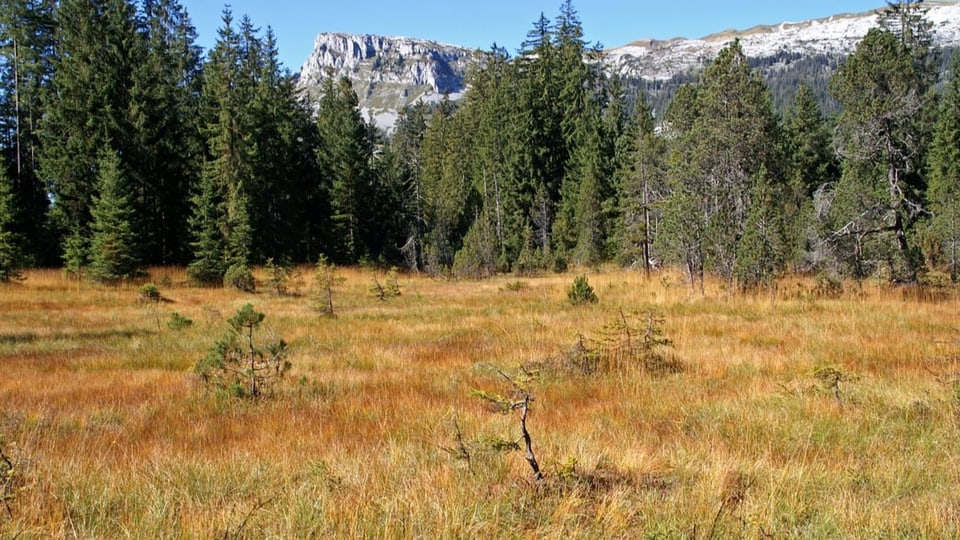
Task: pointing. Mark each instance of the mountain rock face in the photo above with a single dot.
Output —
(388, 73)
(832, 36)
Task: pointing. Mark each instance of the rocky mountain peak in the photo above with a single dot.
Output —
(388, 73)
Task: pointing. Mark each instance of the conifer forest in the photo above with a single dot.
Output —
(124, 145)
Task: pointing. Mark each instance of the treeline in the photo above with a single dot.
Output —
(123, 147)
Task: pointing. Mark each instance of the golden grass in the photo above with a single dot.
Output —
(117, 437)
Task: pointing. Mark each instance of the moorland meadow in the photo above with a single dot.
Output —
(808, 411)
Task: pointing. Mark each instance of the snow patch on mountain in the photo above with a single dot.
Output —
(836, 35)
(388, 73)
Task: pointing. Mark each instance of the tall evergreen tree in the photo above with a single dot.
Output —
(26, 54)
(10, 241)
(220, 219)
(732, 135)
(811, 166)
(406, 149)
(113, 243)
(283, 162)
(640, 185)
(761, 251)
(87, 109)
(345, 157)
(944, 172)
(881, 137)
(449, 201)
(164, 111)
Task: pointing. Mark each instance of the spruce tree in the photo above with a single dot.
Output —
(640, 185)
(344, 159)
(113, 243)
(220, 219)
(10, 242)
(88, 107)
(26, 68)
(944, 172)
(164, 112)
(761, 250)
(881, 137)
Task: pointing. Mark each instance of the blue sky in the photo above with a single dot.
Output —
(506, 22)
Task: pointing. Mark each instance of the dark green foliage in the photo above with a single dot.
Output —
(345, 161)
(10, 248)
(26, 56)
(150, 293)
(723, 133)
(581, 292)
(89, 107)
(239, 277)
(548, 160)
(883, 89)
(761, 251)
(944, 171)
(113, 244)
(236, 364)
(178, 322)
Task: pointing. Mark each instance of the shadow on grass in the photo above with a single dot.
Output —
(33, 337)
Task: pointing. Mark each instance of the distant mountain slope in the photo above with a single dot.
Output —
(389, 73)
(832, 36)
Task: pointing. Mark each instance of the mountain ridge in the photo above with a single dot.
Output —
(391, 72)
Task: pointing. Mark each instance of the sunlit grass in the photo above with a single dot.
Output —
(120, 438)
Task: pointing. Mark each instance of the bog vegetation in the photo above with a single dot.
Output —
(655, 411)
(760, 338)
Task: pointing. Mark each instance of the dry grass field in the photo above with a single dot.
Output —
(776, 416)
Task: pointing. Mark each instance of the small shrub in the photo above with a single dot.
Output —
(236, 365)
(150, 293)
(559, 264)
(389, 289)
(392, 288)
(278, 277)
(239, 277)
(178, 322)
(325, 279)
(581, 292)
(520, 399)
(515, 286)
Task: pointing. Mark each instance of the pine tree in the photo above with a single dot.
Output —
(761, 251)
(723, 133)
(344, 158)
(881, 138)
(640, 185)
(944, 172)
(88, 106)
(113, 244)
(164, 112)
(10, 242)
(26, 54)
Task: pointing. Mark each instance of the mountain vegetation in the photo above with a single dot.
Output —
(123, 147)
